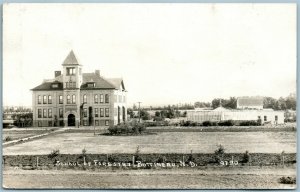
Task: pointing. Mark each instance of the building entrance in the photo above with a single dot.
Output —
(71, 120)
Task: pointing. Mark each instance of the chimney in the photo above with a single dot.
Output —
(57, 73)
(97, 72)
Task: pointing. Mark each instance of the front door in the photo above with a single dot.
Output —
(71, 120)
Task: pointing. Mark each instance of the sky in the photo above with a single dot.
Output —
(165, 53)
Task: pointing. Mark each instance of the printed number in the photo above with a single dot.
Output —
(229, 163)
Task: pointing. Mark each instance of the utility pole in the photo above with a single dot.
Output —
(139, 111)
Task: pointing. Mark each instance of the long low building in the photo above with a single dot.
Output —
(222, 114)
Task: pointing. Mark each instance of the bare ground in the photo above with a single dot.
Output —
(250, 178)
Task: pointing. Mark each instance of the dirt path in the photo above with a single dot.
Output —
(158, 179)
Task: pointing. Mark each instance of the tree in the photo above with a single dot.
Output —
(201, 104)
(130, 113)
(145, 115)
(231, 103)
(290, 102)
(269, 102)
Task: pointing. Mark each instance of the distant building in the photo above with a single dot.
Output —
(250, 103)
(74, 98)
(222, 114)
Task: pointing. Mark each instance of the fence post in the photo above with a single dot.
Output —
(37, 161)
(133, 160)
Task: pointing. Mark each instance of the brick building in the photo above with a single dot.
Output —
(73, 98)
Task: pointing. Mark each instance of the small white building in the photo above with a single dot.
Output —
(222, 114)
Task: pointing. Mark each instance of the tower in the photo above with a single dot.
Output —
(72, 80)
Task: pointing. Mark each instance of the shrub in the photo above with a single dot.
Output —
(219, 153)
(112, 130)
(53, 154)
(246, 157)
(287, 180)
(249, 123)
(191, 157)
(161, 159)
(226, 123)
(208, 123)
(125, 128)
(7, 138)
(84, 151)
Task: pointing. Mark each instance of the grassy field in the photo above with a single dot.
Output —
(219, 178)
(17, 133)
(161, 142)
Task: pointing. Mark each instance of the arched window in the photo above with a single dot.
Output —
(68, 99)
(73, 99)
(84, 99)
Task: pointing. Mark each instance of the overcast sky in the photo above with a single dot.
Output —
(166, 53)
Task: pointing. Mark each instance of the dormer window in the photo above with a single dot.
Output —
(70, 70)
(90, 85)
(54, 85)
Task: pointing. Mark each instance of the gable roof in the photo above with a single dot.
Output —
(46, 86)
(117, 82)
(71, 59)
(220, 109)
(100, 82)
(250, 101)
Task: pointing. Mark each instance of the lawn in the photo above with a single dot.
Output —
(20, 133)
(218, 178)
(161, 142)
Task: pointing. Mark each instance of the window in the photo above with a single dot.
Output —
(60, 100)
(70, 70)
(39, 99)
(96, 98)
(106, 112)
(276, 118)
(101, 112)
(45, 113)
(55, 85)
(39, 113)
(97, 122)
(91, 85)
(49, 99)
(101, 98)
(50, 123)
(85, 112)
(85, 122)
(61, 113)
(265, 118)
(96, 112)
(84, 98)
(68, 99)
(73, 99)
(258, 117)
(44, 99)
(106, 123)
(49, 113)
(106, 98)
